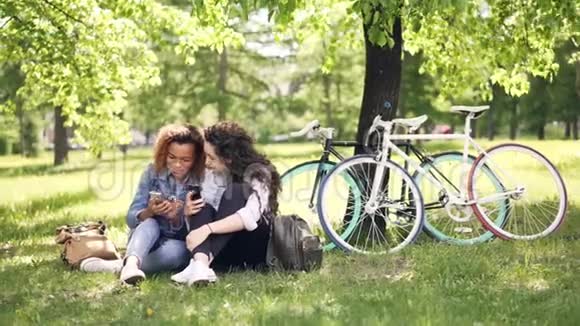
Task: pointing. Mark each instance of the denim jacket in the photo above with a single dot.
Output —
(165, 183)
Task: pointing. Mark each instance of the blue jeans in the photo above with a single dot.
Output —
(156, 252)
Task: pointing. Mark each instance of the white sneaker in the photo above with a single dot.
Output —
(131, 274)
(195, 273)
(99, 265)
(184, 275)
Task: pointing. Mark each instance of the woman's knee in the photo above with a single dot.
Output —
(206, 215)
(171, 255)
(176, 258)
(150, 226)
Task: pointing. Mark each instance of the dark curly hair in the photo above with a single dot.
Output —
(236, 148)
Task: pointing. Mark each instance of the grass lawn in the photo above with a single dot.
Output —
(428, 283)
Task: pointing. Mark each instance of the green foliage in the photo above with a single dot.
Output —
(502, 41)
(107, 62)
(87, 56)
(464, 43)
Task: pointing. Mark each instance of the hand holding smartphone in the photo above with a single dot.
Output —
(156, 197)
(194, 192)
(194, 203)
(160, 204)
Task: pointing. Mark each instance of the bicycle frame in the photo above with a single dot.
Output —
(455, 198)
(328, 149)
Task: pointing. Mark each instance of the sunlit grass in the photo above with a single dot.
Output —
(428, 284)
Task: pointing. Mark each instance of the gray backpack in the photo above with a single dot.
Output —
(292, 246)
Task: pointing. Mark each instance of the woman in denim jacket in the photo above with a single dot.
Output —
(158, 227)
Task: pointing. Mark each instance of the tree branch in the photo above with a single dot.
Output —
(233, 93)
(6, 22)
(64, 12)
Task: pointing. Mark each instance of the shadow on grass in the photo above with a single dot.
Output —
(8, 251)
(570, 230)
(55, 202)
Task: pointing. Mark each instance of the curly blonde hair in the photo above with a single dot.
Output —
(181, 134)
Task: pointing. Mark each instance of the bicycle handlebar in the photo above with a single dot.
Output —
(314, 124)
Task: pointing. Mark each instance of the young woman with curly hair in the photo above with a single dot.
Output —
(156, 215)
(233, 235)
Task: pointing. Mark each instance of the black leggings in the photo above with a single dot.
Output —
(238, 250)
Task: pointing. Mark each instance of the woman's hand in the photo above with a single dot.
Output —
(174, 211)
(193, 207)
(197, 237)
(160, 208)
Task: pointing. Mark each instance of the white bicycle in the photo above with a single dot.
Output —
(510, 190)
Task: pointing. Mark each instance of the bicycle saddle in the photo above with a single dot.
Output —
(476, 110)
(413, 123)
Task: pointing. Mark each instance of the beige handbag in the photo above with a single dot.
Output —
(84, 241)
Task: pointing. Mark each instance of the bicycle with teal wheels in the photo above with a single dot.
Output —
(300, 183)
(513, 190)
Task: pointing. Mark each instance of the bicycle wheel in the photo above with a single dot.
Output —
(535, 190)
(388, 229)
(456, 224)
(298, 185)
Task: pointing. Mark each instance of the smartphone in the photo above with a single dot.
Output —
(195, 192)
(156, 196)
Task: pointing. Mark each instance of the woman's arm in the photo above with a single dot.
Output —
(140, 200)
(245, 218)
(256, 205)
(230, 224)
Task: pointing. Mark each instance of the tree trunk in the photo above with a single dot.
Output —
(541, 131)
(382, 80)
(147, 137)
(20, 114)
(495, 103)
(490, 125)
(221, 85)
(60, 138)
(338, 95)
(575, 123)
(575, 128)
(568, 130)
(382, 83)
(326, 83)
(578, 78)
(30, 136)
(473, 132)
(513, 119)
